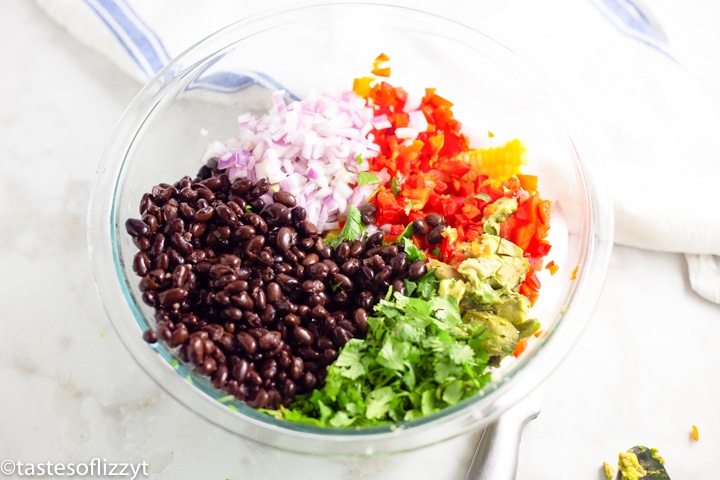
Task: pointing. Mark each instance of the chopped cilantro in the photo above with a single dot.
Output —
(409, 207)
(359, 158)
(417, 359)
(353, 228)
(395, 187)
(367, 178)
(482, 196)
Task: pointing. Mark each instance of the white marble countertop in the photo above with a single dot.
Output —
(644, 372)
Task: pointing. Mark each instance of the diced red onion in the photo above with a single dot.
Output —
(417, 120)
(406, 133)
(307, 147)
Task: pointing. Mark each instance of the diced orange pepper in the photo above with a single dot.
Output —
(520, 347)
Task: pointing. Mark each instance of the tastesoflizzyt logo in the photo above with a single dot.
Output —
(97, 467)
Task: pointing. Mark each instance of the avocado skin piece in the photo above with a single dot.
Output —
(650, 461)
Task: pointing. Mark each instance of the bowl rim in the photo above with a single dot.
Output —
(468, 415)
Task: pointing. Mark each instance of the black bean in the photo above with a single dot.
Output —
(274, 292)
(169, 213)
(255, 244)
(257, 222)
(136, 227)
(145, 202)
(383, 274)
(375, 262)
(212, 183)
(309, 380)
(178, 336)
(181, 243)
(342, 281)
(141, 264)
(376, 239)
(436, 235)
(340, 336)
(360, 317)
(187, 212)
(317, 299)
(298, 214)
(286, 198)
(171, 296)
(297, 368)
(388, 250)
(398, 263)
(310, 259)
(323, 249)
(188, 194)
(303, 336)
(367, 213)
(277, 214)
(227, 215)
(204, 214)
(241, 369)
(367, 274)
(241, 186)
(260, 188)
(366, 300)
(319, 312)
(265, 258)
(220, 377)
(150, 336)
(243, 300)
(162, 194)
(434, 219)
(152, 222)
(307, 228)
(246, 342)
(420, 227)
(291, 320)
(357, 248)
(398, 286)
(270, 340)
(288, 283)
(180, 275)
(317, 271)
(222, 298)
(313, 286)
(260, 299)
(232, 314)
(417, 269)
(342, 252)
(351, 266)
(286, 238)
(142, 243)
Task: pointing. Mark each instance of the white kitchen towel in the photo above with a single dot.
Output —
(656, 130)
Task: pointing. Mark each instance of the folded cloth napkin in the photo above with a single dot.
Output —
(654, 127)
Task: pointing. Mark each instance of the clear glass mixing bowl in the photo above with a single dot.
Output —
(197, 98)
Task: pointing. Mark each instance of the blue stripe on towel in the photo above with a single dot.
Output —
(132, 34)
(148, 52)
(633, 19)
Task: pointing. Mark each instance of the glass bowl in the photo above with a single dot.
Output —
(197, 98)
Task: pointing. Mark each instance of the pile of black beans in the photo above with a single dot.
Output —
(247, 290)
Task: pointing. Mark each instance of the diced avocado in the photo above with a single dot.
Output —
(506, 247)
(478, 270)
(452, 287)
(443, 270)
(503, 207)
(641, 463)
(503, 336)
(516, 308)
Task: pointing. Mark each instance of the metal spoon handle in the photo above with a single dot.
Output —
(496, 456)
